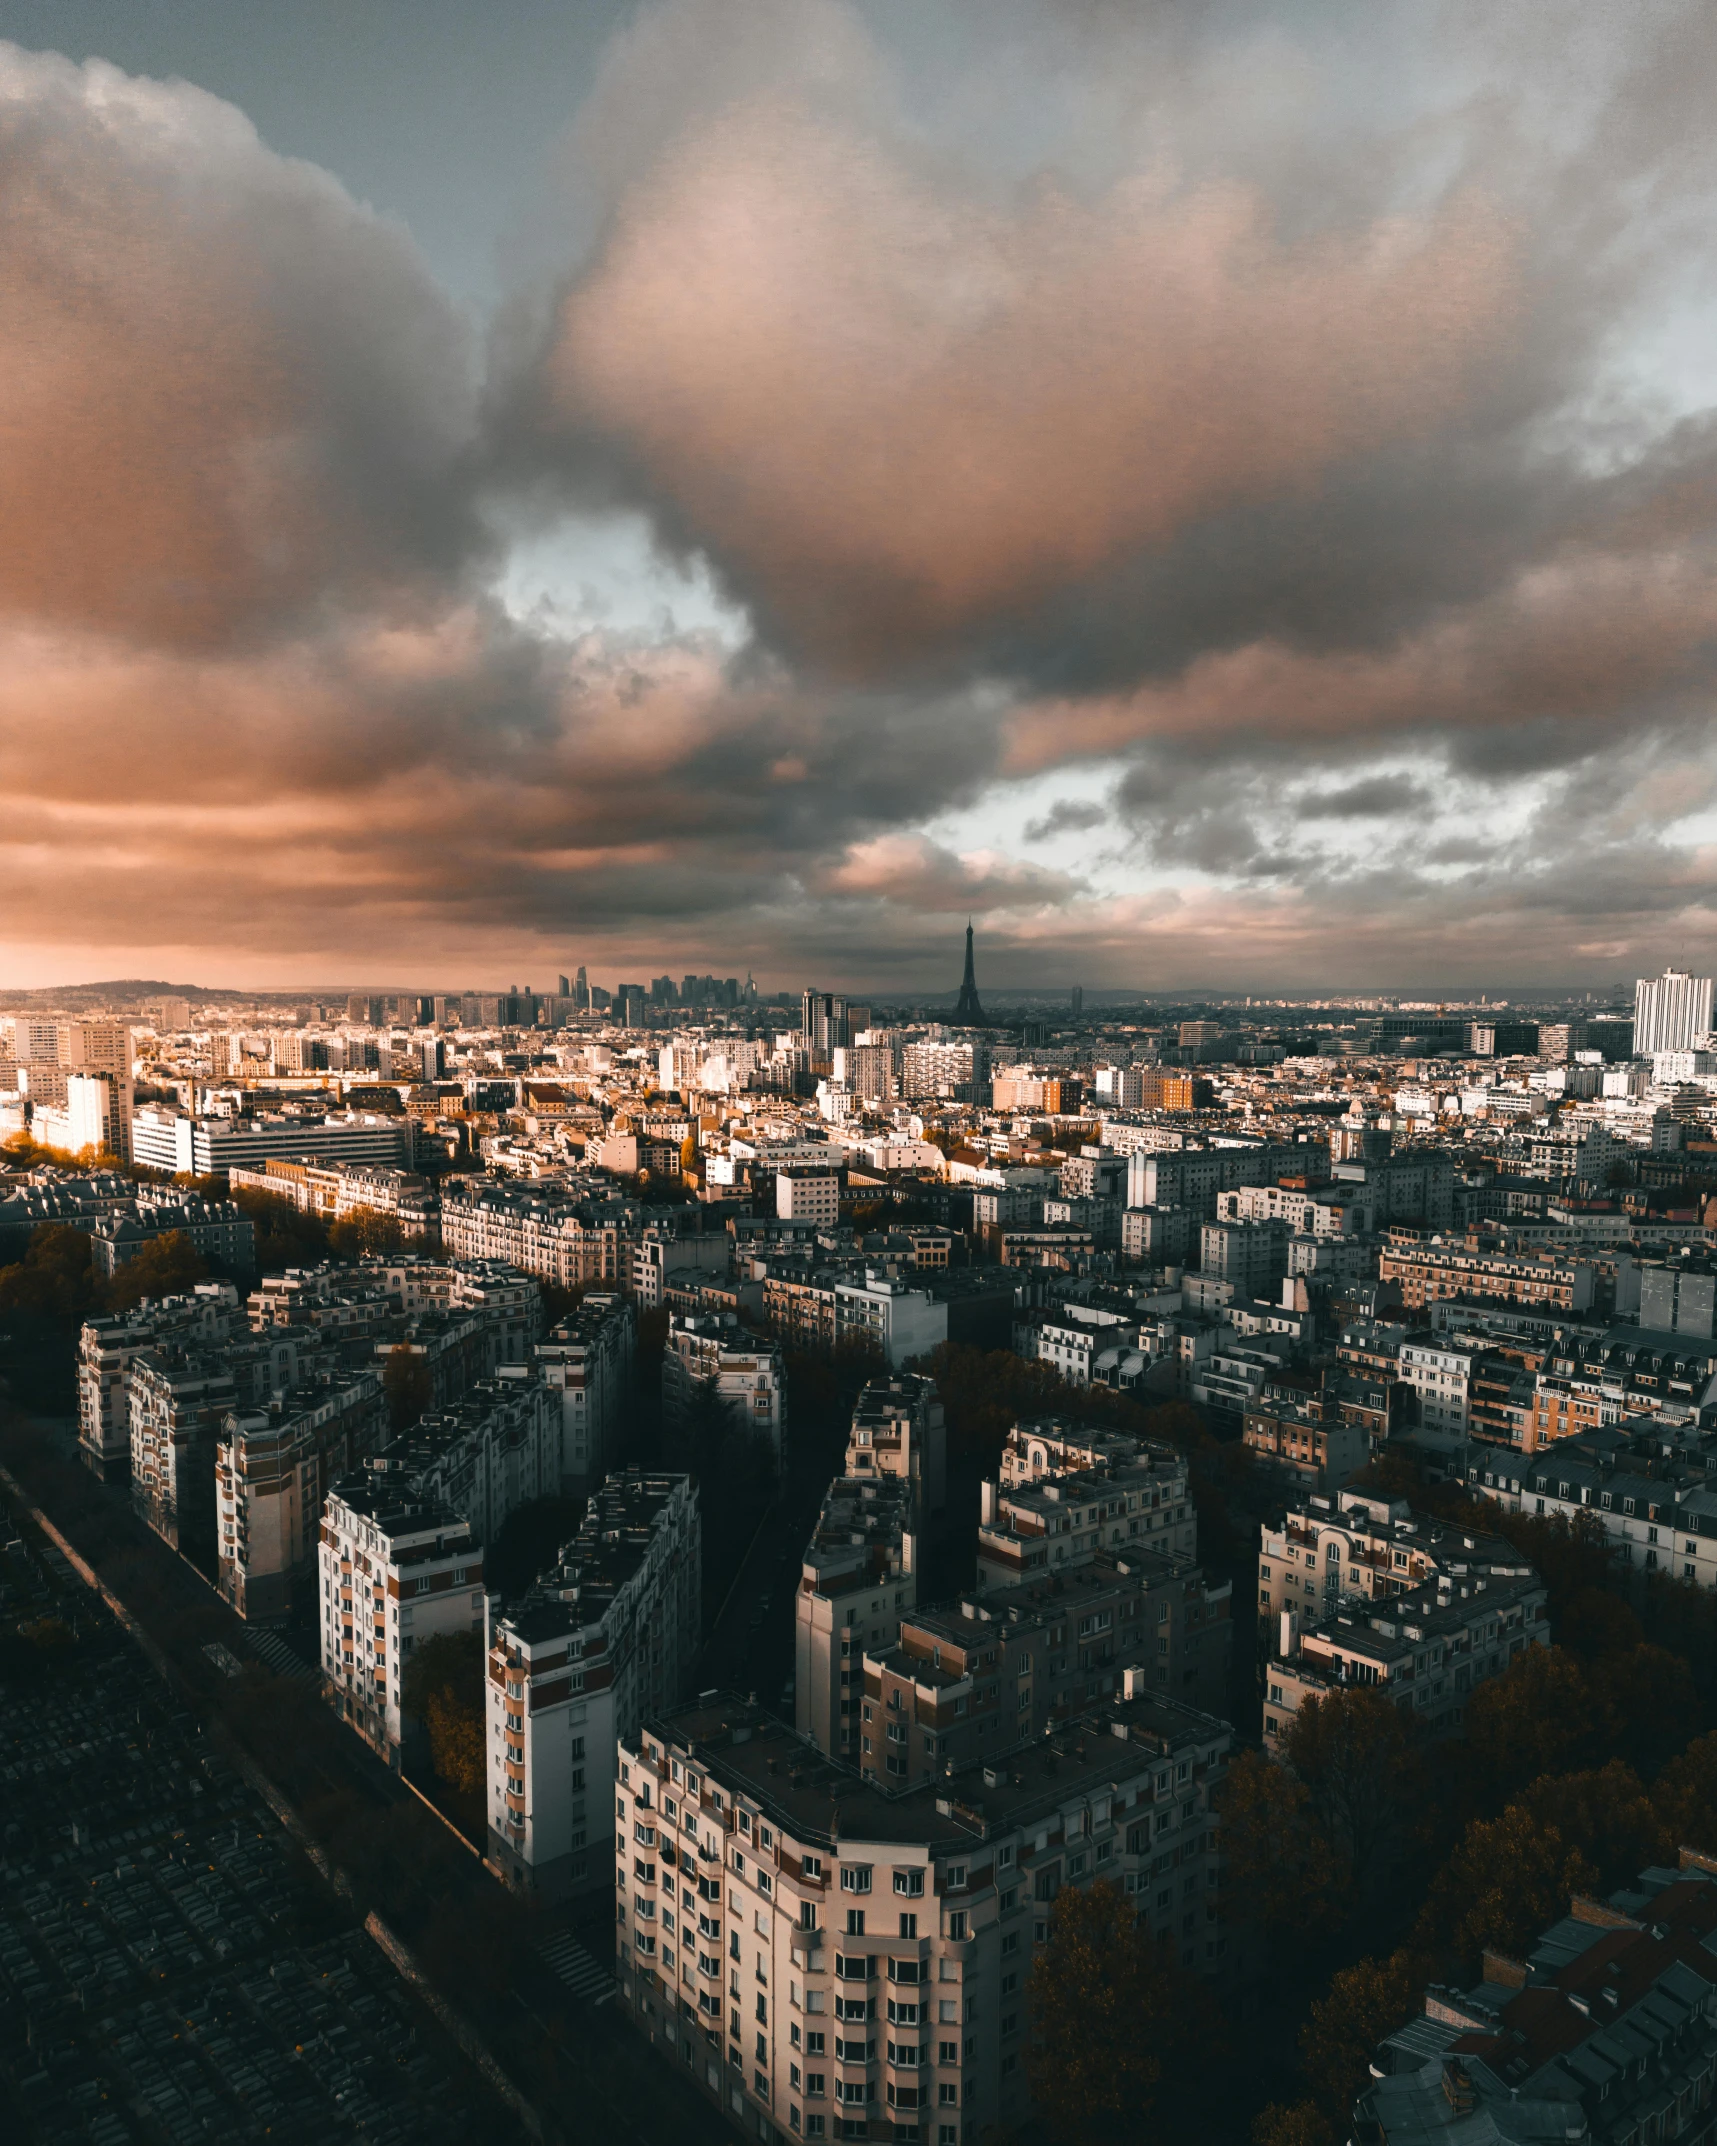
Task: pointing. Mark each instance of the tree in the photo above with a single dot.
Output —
(407, 1386)
(167, 1266)
(1649, 1703)
(1353, 1751)
(1279, 1864)
(1364, 2003)
(1299, 2124)
(443, 1689)
(365, 1233)
(1685, 1796)
(1538, 1717)
(1509, 1879)
(1605, 1815)
(1101, 2013)
(285, 1235)
(53, 1280)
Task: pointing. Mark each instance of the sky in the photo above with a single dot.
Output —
(1222, 496)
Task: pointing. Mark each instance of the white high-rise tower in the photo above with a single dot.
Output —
(1672, 1012)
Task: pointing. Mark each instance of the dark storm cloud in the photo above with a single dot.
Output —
(1066, 816)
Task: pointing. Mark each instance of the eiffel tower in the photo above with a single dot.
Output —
(967, 1012)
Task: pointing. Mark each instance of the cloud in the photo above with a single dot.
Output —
(896, 405)
(1375, 797)
(1067, 815)
(233, 396)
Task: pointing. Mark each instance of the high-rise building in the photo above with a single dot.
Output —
(1672, 1012)
(823, 1022)
(1078, 1002)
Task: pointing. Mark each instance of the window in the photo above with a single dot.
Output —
(909, 1923)
(910, 1882)
(956, 1877)
(855, 1877)
(812, 1866)
(957, 1924)
(855, 1922)
(814, 2086)
(947, 2052)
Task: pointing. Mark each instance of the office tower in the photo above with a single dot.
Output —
(1671, 1012)
(823, 1022)
(563, 987)
(1078, 1000)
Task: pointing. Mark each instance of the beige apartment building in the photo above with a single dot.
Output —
(1429, 1272)
(824, 1960)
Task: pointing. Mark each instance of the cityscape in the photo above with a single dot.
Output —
(858, 1074)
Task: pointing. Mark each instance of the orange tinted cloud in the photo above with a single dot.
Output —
(230, 393)
(894, 410)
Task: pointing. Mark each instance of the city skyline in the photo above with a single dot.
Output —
(1224, 502)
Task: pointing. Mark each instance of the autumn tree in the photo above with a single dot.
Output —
(365, 1233)
(1364, 2003)
(53, 1280)
(167, 1266)
(1509, 1879)
(1685, 1797)
(1538, 1717)
(443, 1689)
(1353, 1750)
(1104, 2013)
(1278, 1861)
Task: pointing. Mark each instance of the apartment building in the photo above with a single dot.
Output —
(178, 1144)
(898, 1429)
(1251, 1255)
(1084, 1344)
(94, 1111)
(1602, 2032)
(587, 1361)
(109, 1345)
(606, 1636)
(957, 1071)
(1439, 1376)
(394, 1571)
(709, 1351)
(1590, 1381)
(484, 1456)
(273, 1467)
(336, 1190)
(1033, 1529)
(1193, 1177)
(975, 1679)
(221, 1232)
(179, 1395)
(574, 1242)
(1308, 1439)
(1644, 1482)
(804, 1194)
(1304, 1211)
(1427, 1272)
(824, 1959)
(857, 1578)
(1426, 1650)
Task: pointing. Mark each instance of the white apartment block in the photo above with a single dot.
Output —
(857, 1579)
(900, 1322)
(1440, 1376)
(483, 1457)
(602, 1639)
(587, 1361)
(1672, 1012)
(899, 1429)
(825, 1960)
(747, 1375)
(394, 1571)
(171, 1141)
(273, 1467)
(96, 1114)
(108, 1346)
(1330, 1211)
(808, 1195)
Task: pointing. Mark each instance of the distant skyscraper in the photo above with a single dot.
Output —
(968, 1013)
(1078, 999)
(1672, 1012)
(564, 988)
(823, 1021)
